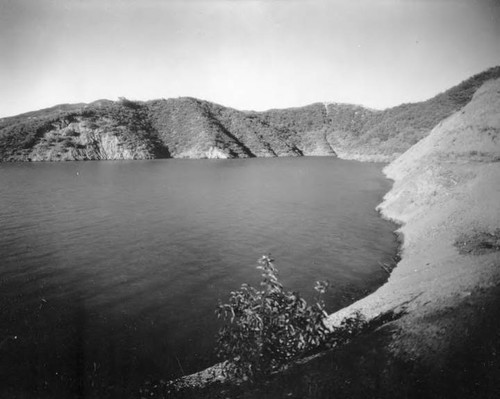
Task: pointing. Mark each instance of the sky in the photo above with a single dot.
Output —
(245, 54)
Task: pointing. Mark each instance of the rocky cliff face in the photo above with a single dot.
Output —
(192, 128)
(99, 131)
(81, 140)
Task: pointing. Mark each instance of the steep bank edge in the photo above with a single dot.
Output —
(445, 187)
(446, 195)
(446, 191)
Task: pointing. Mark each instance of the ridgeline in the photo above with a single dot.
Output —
(191, 128)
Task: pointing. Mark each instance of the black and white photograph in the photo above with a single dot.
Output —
(249, 199)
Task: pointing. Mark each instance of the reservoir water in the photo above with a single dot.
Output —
(110, 271)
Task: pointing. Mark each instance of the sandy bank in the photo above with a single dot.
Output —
(446, 190)
(446, 194)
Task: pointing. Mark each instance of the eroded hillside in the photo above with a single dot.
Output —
(191, 128)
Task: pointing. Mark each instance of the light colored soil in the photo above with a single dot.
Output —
(446, 189)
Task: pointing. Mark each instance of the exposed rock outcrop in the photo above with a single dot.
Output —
(80, 140)
(100, 131)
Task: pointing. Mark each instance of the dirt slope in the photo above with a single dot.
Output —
(447, 195)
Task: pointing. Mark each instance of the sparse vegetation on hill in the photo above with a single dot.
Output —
(191, 128)
(101, 130)
(385, 134)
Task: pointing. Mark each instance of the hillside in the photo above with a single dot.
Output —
(192, 128)
(446, 195)
(443, 298)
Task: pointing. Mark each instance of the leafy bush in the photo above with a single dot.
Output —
(268, 328)
(128, 103)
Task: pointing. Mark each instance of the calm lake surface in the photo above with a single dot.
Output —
(110, 271)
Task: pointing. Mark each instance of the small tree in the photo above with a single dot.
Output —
(268, 328)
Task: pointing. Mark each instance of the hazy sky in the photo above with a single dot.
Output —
(247, 54)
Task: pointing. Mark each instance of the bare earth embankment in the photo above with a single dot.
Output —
(446, 288)
(447, 196)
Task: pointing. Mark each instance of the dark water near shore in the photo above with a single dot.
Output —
(110, 271)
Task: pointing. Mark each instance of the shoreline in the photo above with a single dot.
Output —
(215, 375)
(446, 199)
(446, 196)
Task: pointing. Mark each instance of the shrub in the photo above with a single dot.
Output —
(267, 329)
(128, 103)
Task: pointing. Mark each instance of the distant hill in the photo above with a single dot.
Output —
(191, 128)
